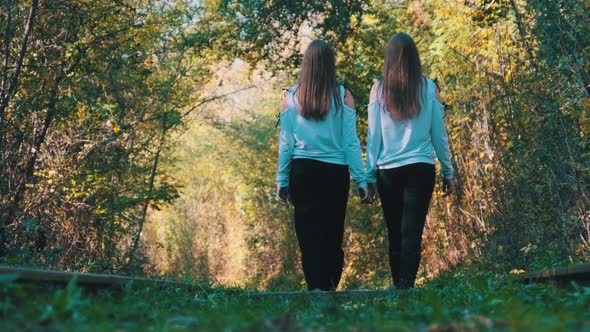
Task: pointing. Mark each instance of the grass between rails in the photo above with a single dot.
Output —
(455, 302)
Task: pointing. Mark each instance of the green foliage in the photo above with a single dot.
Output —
(82, 128)
(65, 304)
(464, 301)
(266, 29)
(224, 160)
(95, 97)
(522, 197)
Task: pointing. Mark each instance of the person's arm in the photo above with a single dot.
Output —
(352, 145)
(440, 140)
(286, 144)
(374, 139)
(352, 148)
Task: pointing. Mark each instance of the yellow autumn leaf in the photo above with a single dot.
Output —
(478, 14)
(584, 125)
(508, 75)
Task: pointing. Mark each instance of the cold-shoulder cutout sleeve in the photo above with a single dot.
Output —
(374, 92)
(348, 99)
(285, 98)
(437, 95)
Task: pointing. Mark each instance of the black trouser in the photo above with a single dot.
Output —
(319, 192)
(405, 194)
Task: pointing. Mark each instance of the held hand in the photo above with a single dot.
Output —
(374, 191)
(365, 195)
(448, 187)
(283, 195)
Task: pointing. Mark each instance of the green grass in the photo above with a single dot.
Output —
(457, 302)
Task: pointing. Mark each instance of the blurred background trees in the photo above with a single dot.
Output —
(141, 135)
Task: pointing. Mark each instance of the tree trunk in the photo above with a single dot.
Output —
(34, 151)
(523, 33)
(8, 89)
(6, 54)
(150, 192)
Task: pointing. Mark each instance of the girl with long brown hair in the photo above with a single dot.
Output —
(406, 131)
(318, 145)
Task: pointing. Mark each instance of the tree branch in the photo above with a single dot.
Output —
(523, 34)
(150, 191)
(208, 100)
(21, 54)
(6, 52)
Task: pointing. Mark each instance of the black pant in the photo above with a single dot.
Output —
(319, 192)
(405, 194)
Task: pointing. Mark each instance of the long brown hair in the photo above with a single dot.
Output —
(317, 81)
(402, 79)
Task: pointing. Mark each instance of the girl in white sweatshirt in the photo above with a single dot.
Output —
(406, 131)
(318, 146)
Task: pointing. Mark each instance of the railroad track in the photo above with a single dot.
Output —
(93, 280)
(579, 274)
(27, 275)
(563, 276)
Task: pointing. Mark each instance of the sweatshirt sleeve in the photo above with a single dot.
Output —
(440, 139)
(374, 141)
(352, 147)
(286, 144)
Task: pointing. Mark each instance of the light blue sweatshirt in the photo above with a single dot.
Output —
(332, 140)
(392, 143)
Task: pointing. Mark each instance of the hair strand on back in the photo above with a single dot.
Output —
(402, 79)
(318, 85)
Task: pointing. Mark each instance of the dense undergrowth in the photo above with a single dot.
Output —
(462, 301)
(139, 136)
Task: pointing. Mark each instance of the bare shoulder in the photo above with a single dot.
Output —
(437, 94)
(348, 99)
(374, 92)
(434, 83)
(285, 97)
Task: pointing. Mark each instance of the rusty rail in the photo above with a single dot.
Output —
(563, 276)
(36, 276)
(579, 274)
(28, 275)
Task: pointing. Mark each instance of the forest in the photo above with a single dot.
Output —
(139, 137)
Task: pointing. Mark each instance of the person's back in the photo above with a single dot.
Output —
(318, 144)
(405, 129)
(411, 140)
(326, 139)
